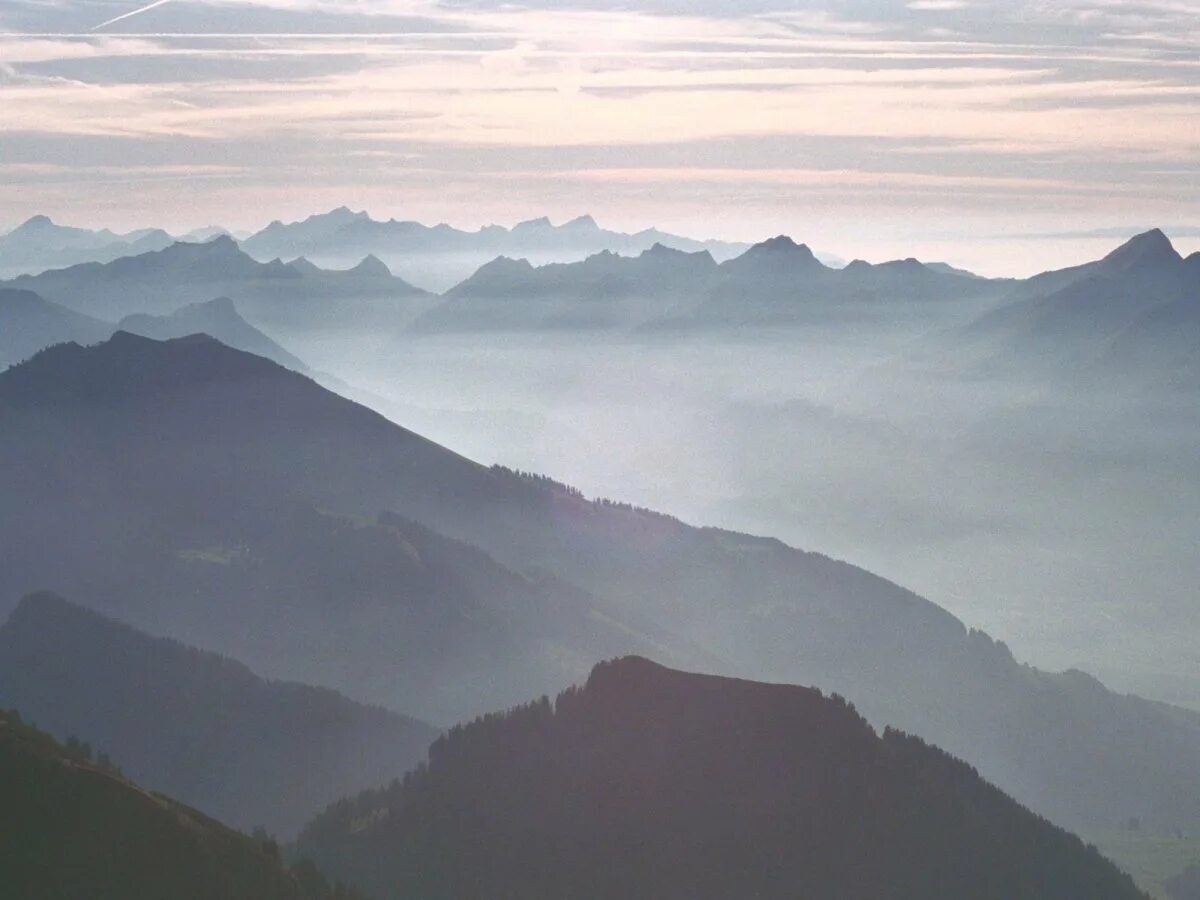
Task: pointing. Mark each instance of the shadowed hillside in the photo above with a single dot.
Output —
(73, 828)
(207, 494)
(195, 725)
(652, 783)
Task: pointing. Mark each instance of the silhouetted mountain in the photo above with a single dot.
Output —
(39, 244)
(196, 725)
(439, 256)
(189, 521)
(281, 298)
(217, 318)
(1136, 310)
(73, 828)
(776, 282)
(651, 783)
(603, 291)
(177, 485)
(28, 324)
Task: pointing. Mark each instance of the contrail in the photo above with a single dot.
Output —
(131, 13)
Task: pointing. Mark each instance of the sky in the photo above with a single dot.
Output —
(1005, 136)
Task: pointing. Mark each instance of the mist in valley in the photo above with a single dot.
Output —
(1059, 517)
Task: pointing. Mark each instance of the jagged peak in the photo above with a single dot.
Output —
(1151, 247)
(372, 266)
(782, 244)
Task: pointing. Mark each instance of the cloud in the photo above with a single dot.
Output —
(1013, 102)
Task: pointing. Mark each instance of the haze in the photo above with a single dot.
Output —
(998, 136)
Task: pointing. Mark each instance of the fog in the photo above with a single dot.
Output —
(1059, 516)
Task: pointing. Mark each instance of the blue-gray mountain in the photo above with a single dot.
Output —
(195, 725)
(210, 495)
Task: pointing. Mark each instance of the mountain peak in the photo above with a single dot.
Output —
(582, 223)
(126, 366)
(372, 266)
(341, 214)
(35, 223)
(304, 266)
(1150, 248)
(533, 224)
(783, 244)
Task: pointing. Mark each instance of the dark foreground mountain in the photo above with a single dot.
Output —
(195, 725)
(652, 783)
(174, 505)
(215, 497)
(73, 828)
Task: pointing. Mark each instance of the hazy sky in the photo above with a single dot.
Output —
(865, 127)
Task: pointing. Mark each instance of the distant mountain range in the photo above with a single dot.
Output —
(1132, 314)
(195, 725)
(775, 283)
(210, 495)
(283, 298)
(435, 256)
(28, 323)
(651, 783)
(75, 827)
(439, 256)
(1136, 312)
(39, 244)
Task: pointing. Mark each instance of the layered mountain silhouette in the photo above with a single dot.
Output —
(74, 827)
(652, 783)
(1136, 312)
(777, 282)
(217, 318)
(39, 244)
(188, 520)
(28, 323)
(210, 495)
(603, 291)
(438, 256)
(195, 725)
(282, 298)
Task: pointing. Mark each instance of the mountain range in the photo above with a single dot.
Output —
(439, 256)
(39, 244)
(777, 282)
(1132, 315)
(434, 256)
(75, 826)
(198, 726)
(1136, 312)
(28, 323)
(652, 783)
(282, 298)
(210, 495)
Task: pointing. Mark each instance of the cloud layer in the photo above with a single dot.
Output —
(869, 125)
